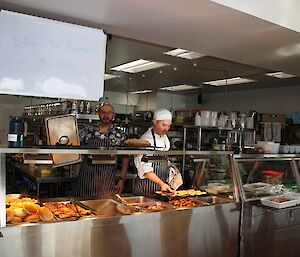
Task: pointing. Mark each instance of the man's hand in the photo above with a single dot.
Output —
(166, 187)
(120, 186)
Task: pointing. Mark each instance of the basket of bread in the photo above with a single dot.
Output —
(21, 209)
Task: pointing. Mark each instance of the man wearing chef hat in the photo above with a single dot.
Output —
(152, 176)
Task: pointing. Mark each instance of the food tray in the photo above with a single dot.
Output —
(291, 200)
(219, 189)
(69, 213)
(167, 196)
(106, 207)
(153, 206)
(137, 199)
(186, 203)
(257, 187)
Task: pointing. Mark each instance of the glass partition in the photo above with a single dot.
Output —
(262, 177)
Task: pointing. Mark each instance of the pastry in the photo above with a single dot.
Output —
(136, 142)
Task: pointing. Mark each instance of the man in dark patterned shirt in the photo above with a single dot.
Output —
(98, 179)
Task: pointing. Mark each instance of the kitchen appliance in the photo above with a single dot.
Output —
(63, 131)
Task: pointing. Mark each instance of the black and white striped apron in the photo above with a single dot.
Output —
(96, 180)
(146, 186)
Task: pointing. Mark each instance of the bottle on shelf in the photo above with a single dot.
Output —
(197, 119)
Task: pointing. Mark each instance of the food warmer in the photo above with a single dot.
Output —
(211, 228)
(270, 213)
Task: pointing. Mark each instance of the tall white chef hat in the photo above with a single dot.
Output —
(162, 114)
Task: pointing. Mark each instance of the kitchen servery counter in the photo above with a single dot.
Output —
(210, 228)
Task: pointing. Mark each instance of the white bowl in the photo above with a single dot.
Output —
(268, 146)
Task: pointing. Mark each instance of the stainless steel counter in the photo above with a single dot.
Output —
(269, 232)
(209, 231)
(199, 231)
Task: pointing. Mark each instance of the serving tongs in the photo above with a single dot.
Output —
(75, 205)
(124, 202)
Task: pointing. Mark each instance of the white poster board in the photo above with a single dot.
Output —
(48, 58)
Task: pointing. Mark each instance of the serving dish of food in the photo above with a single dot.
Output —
(187, 203)
(259, 188)
(153, 206)
(181, 193)
(281, 201)
(106, 207)
(67, 210)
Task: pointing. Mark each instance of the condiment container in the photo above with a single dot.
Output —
(197, 119)
(272, 176)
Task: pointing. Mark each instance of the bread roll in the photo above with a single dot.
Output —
(17, 205)
(45, 214)
(20, 212)
(31, 208)
(32, 218)
(9, 214)
(16, 220)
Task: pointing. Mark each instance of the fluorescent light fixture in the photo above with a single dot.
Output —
(110, 76)
(138, 66)
(179, 88)
(231, 81)
(280, 75)
(186, 54)
(141, 92)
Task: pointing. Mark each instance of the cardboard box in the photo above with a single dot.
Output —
(272, 117)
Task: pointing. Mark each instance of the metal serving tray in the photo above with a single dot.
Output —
(106, 207)
(138, 199)
(211, 200)
(291, 200)
(146, 204)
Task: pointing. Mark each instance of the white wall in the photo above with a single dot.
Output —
(277, 100)
(158, 100)
(165, 100)
(122, 102)
(147, 102)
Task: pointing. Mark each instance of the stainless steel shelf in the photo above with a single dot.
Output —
(76, 150)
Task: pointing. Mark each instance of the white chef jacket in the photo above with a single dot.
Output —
(161, 141)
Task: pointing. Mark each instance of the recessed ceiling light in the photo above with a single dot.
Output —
(179, 88)
(231, 81)
(141, 92)
(110, 76)
(280, 75)
(186, 54)
(138, 66)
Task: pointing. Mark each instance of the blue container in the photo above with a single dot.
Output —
(16, 130)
